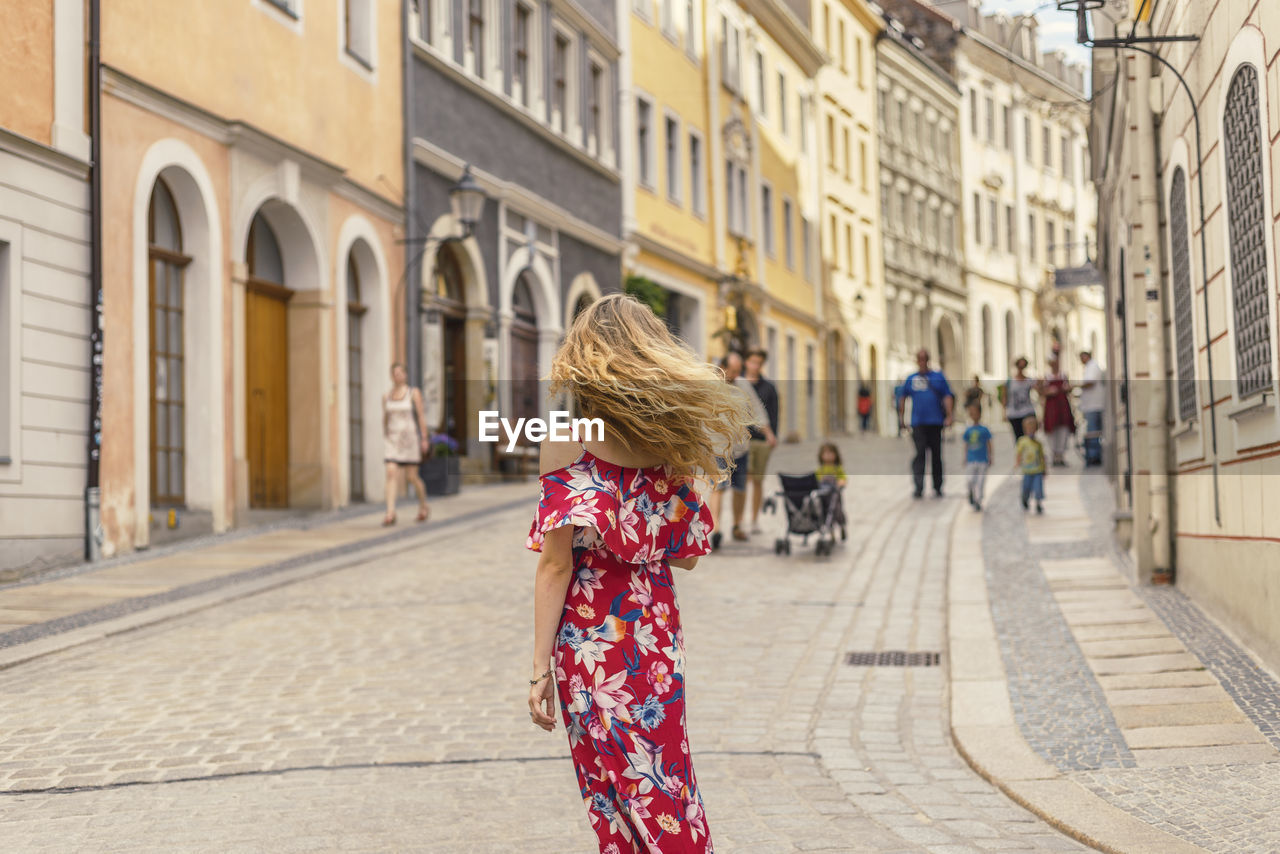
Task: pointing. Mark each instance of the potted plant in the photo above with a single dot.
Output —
(441, 469)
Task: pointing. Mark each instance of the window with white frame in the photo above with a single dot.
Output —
(1046, 147)
(991, 120)
(1031, 237)
(596, 99)
(642, 8)
(866, 258)
(826, 26)
(848, 152)
(843, 48)
(1006, 126)
(766, 220)
(1067, 150)
(835, 241)
(671, 128)
(788, 234)
(667, 17)
(862, 166)
(357, 30)
(697, 175)
(848, 248)
(973, 112)
(1050, 242)
(1028, 143)
(292, 8)
(831, 142)
(858, 62)
(423, 20)
(803, 118)
(644, 141)
(977, 219)
(730, 55)
(1010, 228)
(523, 52)
(561, 82)
(690, 27)
(475, 53)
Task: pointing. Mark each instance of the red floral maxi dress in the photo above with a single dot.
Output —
(619, 654)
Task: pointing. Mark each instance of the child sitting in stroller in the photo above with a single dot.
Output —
(813, 503)
(830, 472)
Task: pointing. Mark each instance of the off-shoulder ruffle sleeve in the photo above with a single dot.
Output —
(636, 525)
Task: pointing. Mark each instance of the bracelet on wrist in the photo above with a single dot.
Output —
(533, 682)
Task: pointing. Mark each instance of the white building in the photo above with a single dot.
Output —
(44, 290)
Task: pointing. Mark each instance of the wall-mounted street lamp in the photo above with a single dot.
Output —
(466, 199)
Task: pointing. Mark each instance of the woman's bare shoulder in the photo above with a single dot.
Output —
(557, 455)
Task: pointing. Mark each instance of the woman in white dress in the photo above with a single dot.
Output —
(404, 431)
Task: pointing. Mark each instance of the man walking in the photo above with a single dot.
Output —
(1093, 400)
(931, 405)
(764, 438)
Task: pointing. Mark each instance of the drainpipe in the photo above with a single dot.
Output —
(413, 284)
(93, 534)
(1158, 398)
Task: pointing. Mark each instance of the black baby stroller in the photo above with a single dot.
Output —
(812, 508)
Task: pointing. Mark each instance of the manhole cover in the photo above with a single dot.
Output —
(893, 658)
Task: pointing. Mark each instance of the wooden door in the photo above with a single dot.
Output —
(455, 380)
(267, 386)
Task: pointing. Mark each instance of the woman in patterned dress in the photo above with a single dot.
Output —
(404, 433)
(615, 515)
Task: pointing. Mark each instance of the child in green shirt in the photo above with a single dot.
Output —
(830, 472)
(1031, 462)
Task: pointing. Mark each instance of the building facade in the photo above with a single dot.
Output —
(1195, 280)
(525, 93)
(925, 300)
(251, 263)
(45, 298)
(850, 225)
(1026, 197)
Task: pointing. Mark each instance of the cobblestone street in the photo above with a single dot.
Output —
(381, 707)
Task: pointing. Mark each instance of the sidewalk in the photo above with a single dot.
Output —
(79, 604)
(1121, 715)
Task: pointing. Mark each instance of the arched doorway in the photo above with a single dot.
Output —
(948, 348)
(450, 302)
(266, 368)
(166, 313)
(581, 305)
(524, 351)
(356, 310)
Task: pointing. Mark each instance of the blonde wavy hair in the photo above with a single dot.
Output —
(624, 366)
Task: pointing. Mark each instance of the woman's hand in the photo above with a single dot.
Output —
(542, 703)
(684, 562)
(426, 445)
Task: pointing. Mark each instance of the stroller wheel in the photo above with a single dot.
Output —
(769, 506)
(820, 548)
(777, 546)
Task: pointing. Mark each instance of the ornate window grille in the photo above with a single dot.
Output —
(1246, 216)
(1184, 336)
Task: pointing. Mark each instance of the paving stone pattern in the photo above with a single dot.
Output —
(382, 707)
(1057, 701)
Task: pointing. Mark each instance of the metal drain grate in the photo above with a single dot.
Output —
(893, 658)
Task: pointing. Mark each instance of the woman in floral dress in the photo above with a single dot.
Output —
(615, 515)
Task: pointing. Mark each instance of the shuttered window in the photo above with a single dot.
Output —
(1184, 336)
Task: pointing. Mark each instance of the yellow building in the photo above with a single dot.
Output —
(252, 190)
(855, 301)
(721, 198)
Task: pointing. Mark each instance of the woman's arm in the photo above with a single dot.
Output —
(555, 569)
(422, 419)
(386, 416)
(684, 562)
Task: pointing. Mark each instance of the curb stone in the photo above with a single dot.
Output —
(987, 736)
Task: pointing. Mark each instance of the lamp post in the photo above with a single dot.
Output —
(466, 203)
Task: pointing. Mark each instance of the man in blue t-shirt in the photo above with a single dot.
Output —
(931, 403)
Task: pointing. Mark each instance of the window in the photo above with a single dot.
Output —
(1184, 335)
(866, 259)
(761, 95)
(991, 120)
(167, 339)
(1046, 145)
(1067, 240)
(862, 166)
(736, 187)
(521, 86)
(826, 27)
(835, 242)
(992, 209)
(782, 102)
(730, 55)
(806, 248)
(595, 98)
(843, 47)
(357, 28)
(475, 36)
(766, 220)
(831, 142)
(882, 112)
(848, 159)
(672, 127)
(987, 362)
(1010, 228)
(977, 219)
(1006, 126)
(644, 141)
(788, 235)
(690, 34)
(804, 123)
(667, 17)
(848, 248)
(1050, 241)
(560, 83)
(697, 176)
(289, 7)
(919, 223)
(1027, 142)
(1010, 338)
(1031, 237)
(973, 111)
(949, 237)
(1247, 220)
(857, 62)
(424, 11)
(1066, 157)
